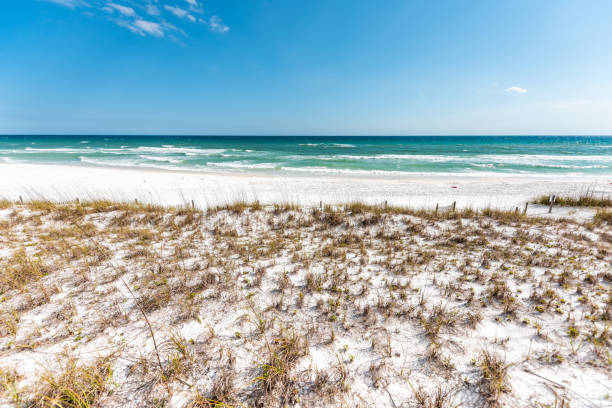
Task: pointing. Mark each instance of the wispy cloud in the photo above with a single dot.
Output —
(152, 10)
(125, 10)
(144, 27)
(148, 17)
(194, 5)
(68, 3)
(516, 90)
(216, 24)
(177, 11)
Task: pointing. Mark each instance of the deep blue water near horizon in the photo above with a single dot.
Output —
(318, 155)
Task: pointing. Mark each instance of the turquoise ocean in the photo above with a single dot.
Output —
(308, 155)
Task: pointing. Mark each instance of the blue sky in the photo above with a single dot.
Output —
(308, 67)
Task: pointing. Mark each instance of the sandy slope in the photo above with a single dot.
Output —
(304, 308)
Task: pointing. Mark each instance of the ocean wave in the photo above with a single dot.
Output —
(466, 172)
(55, 149)
(8, 160)
(242, 165)
(551, 157)
(476, 159)
(112, 163)
(189, 151)
(346, 145)
(162, 159)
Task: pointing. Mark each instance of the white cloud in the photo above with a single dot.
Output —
(516, 90)
(125, 10)
(127, 13)
(152, 10)
(143, 27)
(68, 3)
(194, 6)
(216, 24)
(177, 11)
(180, 13)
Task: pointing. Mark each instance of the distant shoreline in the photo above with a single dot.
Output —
(399, 176)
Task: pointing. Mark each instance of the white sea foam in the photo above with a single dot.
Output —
(106, 162)
(55, 149)
(162, 159)
(347, 145)
(533, 159)
(316, 169)
(243, 165)
(185, 150)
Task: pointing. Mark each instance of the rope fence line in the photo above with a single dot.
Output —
(321, 205)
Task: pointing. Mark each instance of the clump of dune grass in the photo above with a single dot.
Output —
(494, 378)
(587, 199)
(74, 386)
(603, 217)
(8, 385)
(21, 270)
(439, 398)
(275, 381)
(4, 203)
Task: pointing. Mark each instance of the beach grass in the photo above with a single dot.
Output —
(586, 199)
(280, 305)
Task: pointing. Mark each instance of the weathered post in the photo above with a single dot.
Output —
(385, 204)
(454, 205)
(525, 210)
(21, 199)
(192, 205)
(136, 201)
(321, 204)
(437, 208)
(552, 201)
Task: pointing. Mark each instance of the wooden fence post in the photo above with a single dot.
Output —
(552, 201)
(454, 205)
(21, 199)
(437, 208)
(525, 210)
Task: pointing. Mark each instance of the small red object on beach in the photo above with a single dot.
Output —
(453, 186)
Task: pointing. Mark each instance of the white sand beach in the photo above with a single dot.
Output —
(165, 187)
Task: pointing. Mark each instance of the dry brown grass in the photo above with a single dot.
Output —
(279, 286)
(586, 199)
(493, 378)
(74, 386)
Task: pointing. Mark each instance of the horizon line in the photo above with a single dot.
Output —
(311, 135)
